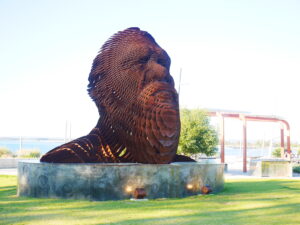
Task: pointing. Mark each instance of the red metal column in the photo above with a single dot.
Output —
(288, 137)
(288, 141)
(244, 144)
(221, 136)
(282, 139)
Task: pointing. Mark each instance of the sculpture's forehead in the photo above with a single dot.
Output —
(127, 48)
(142, 48)
(140, 37)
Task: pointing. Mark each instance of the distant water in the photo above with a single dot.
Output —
(251, 152)
(45, 145)
(41, 145)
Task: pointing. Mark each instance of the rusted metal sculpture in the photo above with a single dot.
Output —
(137, 102)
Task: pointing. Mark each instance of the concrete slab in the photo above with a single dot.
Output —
(9, 171)
(271, 168)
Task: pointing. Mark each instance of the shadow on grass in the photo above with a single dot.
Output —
(281, 214)
(241, 201)
(260, 186)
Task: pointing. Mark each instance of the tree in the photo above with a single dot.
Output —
(197, 135)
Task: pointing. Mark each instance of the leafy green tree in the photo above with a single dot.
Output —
(197, 135)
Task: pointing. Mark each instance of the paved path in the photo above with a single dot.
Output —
(8, 171)
(238, 174)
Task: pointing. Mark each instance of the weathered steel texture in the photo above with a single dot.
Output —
(139, 193)
(206, 189)
(139, 119)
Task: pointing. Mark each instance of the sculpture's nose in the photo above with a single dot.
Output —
(158, 72)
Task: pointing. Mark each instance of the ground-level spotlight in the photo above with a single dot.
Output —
(189, 186)
(128, 189)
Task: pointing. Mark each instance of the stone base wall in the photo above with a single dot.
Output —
(116, 181)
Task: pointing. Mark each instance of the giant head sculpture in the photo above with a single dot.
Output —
(134, 92)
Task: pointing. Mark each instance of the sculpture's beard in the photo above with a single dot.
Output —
(160, 122)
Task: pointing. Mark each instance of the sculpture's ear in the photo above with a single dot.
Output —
(95, 75)
(95, 89)
(92, 84)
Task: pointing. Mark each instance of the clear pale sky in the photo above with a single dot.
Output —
(234, 55)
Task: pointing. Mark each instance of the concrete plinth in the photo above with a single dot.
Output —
(102, 181)
(271, 168)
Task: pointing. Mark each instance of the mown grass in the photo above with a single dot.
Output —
(241, 202)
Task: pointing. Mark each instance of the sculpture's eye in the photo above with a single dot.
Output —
(144, 59)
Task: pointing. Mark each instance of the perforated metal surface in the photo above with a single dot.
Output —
(137, 102)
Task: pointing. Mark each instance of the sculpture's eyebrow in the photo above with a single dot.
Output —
(134, 53)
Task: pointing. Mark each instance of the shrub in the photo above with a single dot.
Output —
(197, 135)
(29, 153)
(296, 169)
(5, 152)
(276, 152)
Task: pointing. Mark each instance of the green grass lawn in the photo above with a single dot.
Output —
(241, 202)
